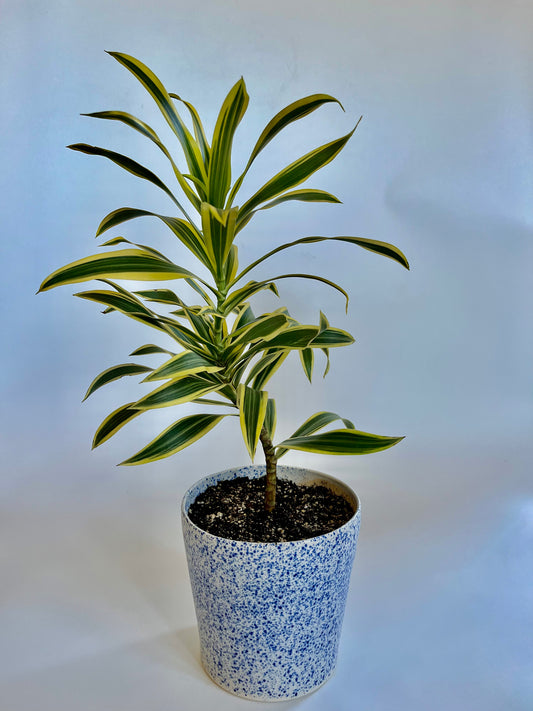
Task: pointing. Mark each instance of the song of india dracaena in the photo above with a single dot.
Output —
(225, 354)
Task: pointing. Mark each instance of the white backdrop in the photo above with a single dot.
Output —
(96, 609)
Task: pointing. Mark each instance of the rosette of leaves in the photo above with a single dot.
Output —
(225, 354)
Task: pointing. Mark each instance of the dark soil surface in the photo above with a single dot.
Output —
(235, 509)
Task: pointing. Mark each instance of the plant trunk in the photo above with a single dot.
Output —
(271, 461)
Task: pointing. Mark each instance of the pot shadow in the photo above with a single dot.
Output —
(141, 571)
(186, 644)
(162, 671)
(132, 675)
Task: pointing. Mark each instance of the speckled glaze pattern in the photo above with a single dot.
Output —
(270, 614)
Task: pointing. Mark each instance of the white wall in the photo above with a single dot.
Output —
(440, 166)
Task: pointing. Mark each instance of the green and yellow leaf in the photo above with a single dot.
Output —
(231, 264)
(185, 363)
(149, 132)
(252, 406)
(384, 248)
(128, 164)
(177, 392)
(127, 306)
(245, 316)
(270, 418)
(175, 438)
(154, 86)
(293, 338)
(313, 424)
(239, 296)
(292, 112)
(218, 228)
(332, 338)
(113, 422)
(262, 329)
(188, 339)
(265, 368)
(267, 283)
(307, 359)
(199, 132)
(114, 373)
(302, 196)
(185, 231)
(294, 174)
(135, 264)
(345, 441)
(230, 115)
(149, 349)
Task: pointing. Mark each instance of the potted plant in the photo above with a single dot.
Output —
(269, 603)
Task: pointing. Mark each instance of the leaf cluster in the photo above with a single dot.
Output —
(224, 353)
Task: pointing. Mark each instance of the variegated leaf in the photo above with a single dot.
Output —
(230, 115)
(149, 349)
(384, 248)
(270, 418)
(294, 174)
(133, 264)
(199, 132)
(252, 406)
(261, 329)
(239, 296)
(149, 132)
(161, 96)
(294, 111)
(313, 424)
(175, 438)
(114, 373)
(185, 363)
(346, 441)
(307, 359)
(128, 164)
(177, 392)
(113, 422)
(185, 231)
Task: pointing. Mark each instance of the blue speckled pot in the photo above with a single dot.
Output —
(270, 614)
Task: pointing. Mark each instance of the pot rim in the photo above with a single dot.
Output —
(333, 480)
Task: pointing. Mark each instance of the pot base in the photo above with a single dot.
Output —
(269, 699)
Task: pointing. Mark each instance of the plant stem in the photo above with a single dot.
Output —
(271, 469)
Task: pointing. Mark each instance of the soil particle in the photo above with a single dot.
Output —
(235, 509)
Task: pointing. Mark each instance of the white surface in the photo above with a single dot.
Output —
(99, 615)
(96, 611)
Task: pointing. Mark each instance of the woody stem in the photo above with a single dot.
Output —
(271, 461)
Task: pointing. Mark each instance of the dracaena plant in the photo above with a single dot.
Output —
(225, 353)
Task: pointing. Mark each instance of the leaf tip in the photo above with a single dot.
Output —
(127, 462)
(356, 125)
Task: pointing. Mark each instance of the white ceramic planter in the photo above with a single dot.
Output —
(270, 614)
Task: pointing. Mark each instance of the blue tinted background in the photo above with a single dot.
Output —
(97, 611)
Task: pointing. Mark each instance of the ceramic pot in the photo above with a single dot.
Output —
(270, 614)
